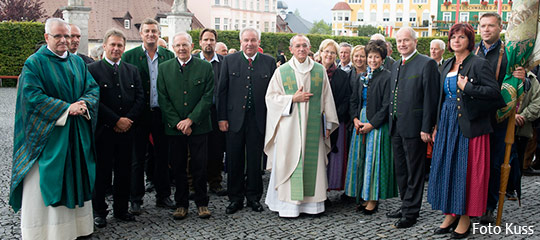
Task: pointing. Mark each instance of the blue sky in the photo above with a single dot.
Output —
(313, 10)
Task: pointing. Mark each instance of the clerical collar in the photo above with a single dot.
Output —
(302, 67)
(64, 56)
(111, 62)
(214, 58)
(252, 58)
(407, 58)
(182, 63)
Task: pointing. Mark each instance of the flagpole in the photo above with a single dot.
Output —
(458, 2)
(505, 167)
(499, 7)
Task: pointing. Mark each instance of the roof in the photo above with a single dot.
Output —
(298, 24)
(108, 14)
(342, 6)
(282, 26)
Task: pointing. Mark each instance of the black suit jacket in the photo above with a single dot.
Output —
(216, 66)
(120, 95)
(85, 58)
(417, 89)
(493, 58)
(378, 96)
(233, 85)
(342, 92)
(480, 91)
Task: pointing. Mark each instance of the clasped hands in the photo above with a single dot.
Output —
(185, 126)
(362, 128)
(123, 125)
(78, 108)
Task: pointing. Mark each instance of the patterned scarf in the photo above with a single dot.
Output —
(367, 78)
(330, 71)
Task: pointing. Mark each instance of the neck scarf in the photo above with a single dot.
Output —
(330, 71)
(367, 78)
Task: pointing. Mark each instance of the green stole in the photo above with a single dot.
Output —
(304, 176)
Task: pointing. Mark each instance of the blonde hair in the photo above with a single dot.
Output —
(358, 48)
(328, 42)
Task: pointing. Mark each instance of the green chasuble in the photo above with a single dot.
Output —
(304, 176)
(47, 86)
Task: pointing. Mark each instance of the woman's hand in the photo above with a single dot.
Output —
(366, 128)
(357, 123)
(462, 81)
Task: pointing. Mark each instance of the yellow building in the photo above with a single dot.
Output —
(390, 15)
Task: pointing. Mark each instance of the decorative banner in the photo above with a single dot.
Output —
(520, 39)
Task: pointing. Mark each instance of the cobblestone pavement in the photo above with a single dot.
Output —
(340, 221)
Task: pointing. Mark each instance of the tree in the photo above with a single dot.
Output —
(367, 30)
(296, 12)
(320, 27)
(21, 10)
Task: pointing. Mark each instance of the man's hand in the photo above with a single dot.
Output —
(301, 96)
(434, 133)
(357, 124)
(462, 81)
(520, 120)
(77, 108)
(187, 132)
(519, 73)
(366, 128)
(426, 137)
(123, 124)
(327, 133)
(223, 125)
(184, 124)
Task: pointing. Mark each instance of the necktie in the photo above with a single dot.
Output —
(403, 62)
(250, 61)
(115, 67)
(183, 65)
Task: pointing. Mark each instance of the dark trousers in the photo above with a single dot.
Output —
(497, 149)
(114, 153)
(160, 154)
(245, 147)
(409, 162)
(518, 153)
(216, 143)
(198, 147)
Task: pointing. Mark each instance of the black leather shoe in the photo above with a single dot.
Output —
(234, 207)
(405, 222)
(126, 217)
(395, 214)
(446, 230)
(372, 211)
(135, 208)
(165, 203)
(100, 222)
(456, 235)
(255, 206)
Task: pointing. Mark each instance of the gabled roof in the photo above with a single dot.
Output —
(108, 14)
(298, 24)
(342, 6)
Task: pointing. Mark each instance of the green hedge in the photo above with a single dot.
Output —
(17, 42)
(272, 42)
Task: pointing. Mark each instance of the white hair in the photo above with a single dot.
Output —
(411, 31)
(252, 29)
(221, 44)
(185, 34)
(52, 21)
(299, 35)
(441, 43)
(377, 36)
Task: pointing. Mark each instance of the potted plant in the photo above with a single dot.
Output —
(510, 2)
(447, 3)
(495, 2)
(465, 3)
(475, 17)
(484, 3)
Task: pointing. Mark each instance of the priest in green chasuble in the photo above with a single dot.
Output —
(301, 116)
(53, 169)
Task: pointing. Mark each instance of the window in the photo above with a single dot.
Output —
(425, 19)
(237, 3)
(399, 1)
(419, 1)
(225, 24)
(243, 23)
(386, 1)
(463, 16)
(216, 2)
(258, 25)
(273, 26)
(373, 16)
(335, 16)
(447, 16)
(251, 5)
(355, 1)
(217, 22)
(508, 16)
(244, 4)
(127, 24)
(347, 17)
(237, 24)
(251, 23)
(266, 26)
(386, 16)
(373, 1)
(425, 34)
(360, 16)
(340, 17)
(412, 16)
(226, 2)
(399, 17)
(267, 5)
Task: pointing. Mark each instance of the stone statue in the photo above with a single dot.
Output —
(179, 6)
(75, 3)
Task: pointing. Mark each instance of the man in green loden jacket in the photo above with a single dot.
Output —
(185, 88)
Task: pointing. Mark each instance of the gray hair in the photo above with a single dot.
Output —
(299, 35)
(221, 44)
(252, 29)
(114, 32)
(411, 31)
(96, 52)
(377, 36)
(71, 25)
(185, 34)
(344, 44)
(52, 21)
(441, 43)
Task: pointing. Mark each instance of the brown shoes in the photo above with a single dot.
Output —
(204, 212)
(180, 213)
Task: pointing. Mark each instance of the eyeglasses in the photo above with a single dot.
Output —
(59, 36)
(329, 52)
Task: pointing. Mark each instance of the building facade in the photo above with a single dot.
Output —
(468, 11)
(348, 15)
(236, 14)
